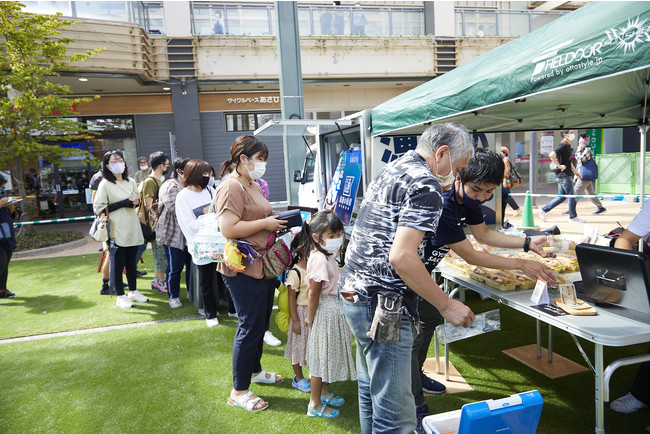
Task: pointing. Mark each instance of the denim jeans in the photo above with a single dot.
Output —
(176, 259)
(386, 402)
(564, 186)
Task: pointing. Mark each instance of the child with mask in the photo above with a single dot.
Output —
(329, 347)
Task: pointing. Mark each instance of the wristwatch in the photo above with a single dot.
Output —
(527, 244)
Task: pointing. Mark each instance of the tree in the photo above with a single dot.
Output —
(33, 109)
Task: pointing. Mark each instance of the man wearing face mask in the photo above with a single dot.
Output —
(144, 171)
(474, 185)
(561, 157)
(385, 261)
(149, 193)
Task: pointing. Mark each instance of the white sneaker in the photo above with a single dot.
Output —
(541, 214)
(212, 322)
(627, 404)
(202, 312)
(576, 220)
(518, 212)
(137, 297)
(271, 340)
(233, 315)
(123, 302)
(175, 303)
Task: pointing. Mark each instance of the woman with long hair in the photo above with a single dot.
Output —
(118, 194)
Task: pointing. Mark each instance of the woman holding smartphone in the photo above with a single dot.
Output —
(117, 193)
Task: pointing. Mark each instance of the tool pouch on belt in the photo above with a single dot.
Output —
(387, 320)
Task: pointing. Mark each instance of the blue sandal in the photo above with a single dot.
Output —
(332, 400)
(312, 412)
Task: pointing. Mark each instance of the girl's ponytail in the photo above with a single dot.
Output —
(226, 167)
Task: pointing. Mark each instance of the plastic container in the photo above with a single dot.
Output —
(517, 414)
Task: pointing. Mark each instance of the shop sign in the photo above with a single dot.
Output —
(595, 140)
(254, 100)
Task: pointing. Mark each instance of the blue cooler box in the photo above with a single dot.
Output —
(518, 414)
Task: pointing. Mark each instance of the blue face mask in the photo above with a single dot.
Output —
(472, 203)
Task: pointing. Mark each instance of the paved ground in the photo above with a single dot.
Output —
(617, 211)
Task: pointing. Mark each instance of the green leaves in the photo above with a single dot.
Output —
(30, 55)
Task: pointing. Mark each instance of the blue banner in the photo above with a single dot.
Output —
(345, 184)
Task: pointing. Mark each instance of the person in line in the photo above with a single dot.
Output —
(565, 172)
(639, 396)
(462, 204)
(384, 260)
(217, 28)
(118, 193)
(191, 203)
(7, 246)
(245, 214)
(298, 332)
(506, 199)
(329, 348)
(140, 175)
(170, 236)
(584, 154)
(149, 192)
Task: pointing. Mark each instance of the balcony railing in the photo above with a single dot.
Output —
(259, 19)
(502, 22)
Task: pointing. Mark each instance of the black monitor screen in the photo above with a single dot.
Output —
(616, 277)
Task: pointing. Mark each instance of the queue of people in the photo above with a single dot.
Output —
(384, 297)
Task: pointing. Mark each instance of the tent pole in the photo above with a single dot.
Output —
(532, 168)
(642, 148)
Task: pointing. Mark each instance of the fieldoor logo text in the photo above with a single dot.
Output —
(563, 58)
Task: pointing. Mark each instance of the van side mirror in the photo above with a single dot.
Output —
(297, 176)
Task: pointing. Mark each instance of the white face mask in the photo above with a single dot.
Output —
(333, 245)
(571, 137)
(144, 167)
(211, 182)
(117, 168)
(258, 172)
(448, 180)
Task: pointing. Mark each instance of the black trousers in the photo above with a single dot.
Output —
(641, 385)
(430, 318)
(5, 257)
(206, 285)
(123, 258)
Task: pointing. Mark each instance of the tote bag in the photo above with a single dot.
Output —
(589, 170)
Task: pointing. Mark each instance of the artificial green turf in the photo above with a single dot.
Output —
(62, 294)
(176, 376)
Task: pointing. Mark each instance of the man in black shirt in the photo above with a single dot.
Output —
(561, 157)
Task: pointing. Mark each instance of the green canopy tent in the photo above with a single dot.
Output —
(587, 69)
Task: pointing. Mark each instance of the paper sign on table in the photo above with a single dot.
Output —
(540, 294)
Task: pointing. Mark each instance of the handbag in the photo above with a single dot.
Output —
(100, 229)
(151, 216)
(276, 258)
(5, 232)
(589, 170)
(514, 179)
(147, 233)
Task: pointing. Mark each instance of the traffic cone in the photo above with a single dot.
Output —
(527, 220)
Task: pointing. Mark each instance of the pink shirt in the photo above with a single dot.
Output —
(321, 268)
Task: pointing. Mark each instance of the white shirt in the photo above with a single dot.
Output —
(641, 224)
(189, 206)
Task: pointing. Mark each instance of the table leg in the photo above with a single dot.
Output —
(600, 404)
(550, 343)
(539, 340)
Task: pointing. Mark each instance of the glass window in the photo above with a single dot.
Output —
(248, 121)
(48, 8)
(108, 10)
(210, 19)
(110, 124)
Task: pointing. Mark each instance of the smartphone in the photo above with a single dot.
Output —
(133, 196)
